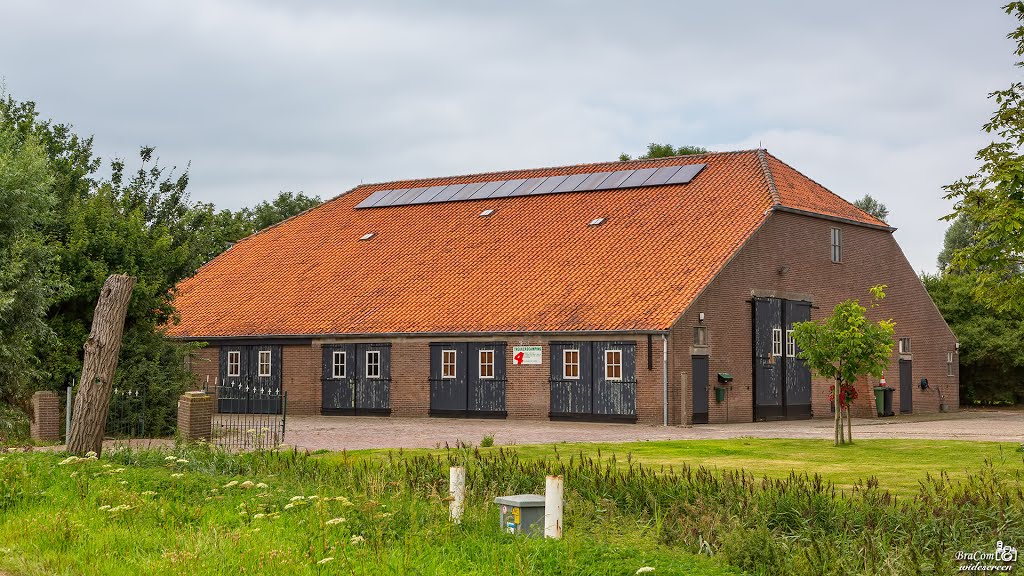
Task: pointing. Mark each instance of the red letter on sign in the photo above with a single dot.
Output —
(519, 358)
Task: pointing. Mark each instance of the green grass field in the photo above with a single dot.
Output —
(199, 511)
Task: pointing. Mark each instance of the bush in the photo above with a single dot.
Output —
(14, 425)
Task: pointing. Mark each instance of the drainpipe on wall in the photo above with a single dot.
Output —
(664, 377)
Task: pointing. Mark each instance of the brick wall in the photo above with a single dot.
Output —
(790, 256)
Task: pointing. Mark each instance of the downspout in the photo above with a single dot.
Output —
(664, 377)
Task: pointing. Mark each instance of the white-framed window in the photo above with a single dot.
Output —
(448, 365)
(613, 364)
(950, 361)
(234, 363)
(837, 245)
(776, 341)
(487, 363)
(571, 364)
(264, 363)
(905, 345)
(790, 344)
(338, 368)
(700, 335)
(373, 363)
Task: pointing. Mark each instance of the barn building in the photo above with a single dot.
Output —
(652, 291)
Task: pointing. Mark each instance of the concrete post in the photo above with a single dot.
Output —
(553, 507)
(45, 425)
(457, 491)
(195, 416)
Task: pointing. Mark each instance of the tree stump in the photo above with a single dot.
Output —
(102, 349)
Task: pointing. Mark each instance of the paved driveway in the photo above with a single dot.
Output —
(355, 433)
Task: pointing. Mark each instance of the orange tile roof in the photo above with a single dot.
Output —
(534, 265)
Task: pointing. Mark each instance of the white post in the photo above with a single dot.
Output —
(457, 491)
(553, 507)
(67, 411)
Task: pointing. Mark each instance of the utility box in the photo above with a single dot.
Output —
(522, 514)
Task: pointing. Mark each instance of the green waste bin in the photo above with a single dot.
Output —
(719, 394)
(880, 400)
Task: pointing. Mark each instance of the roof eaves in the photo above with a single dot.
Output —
(850, 221)
(826, 189)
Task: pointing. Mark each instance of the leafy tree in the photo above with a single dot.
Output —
(993, 199)
(27, 279)
(874, 207)
(959, 235)
(844, 347)
(655, 150)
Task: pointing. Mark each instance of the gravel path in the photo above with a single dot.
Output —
(355, 433)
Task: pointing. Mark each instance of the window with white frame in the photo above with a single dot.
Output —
(776, 341)
(338, 364)
(234, 363)
(571, 364)
(487, 363)
(837, 245)
(904, 345)
(373, 363)
(613, 364)
(264, 363)
(950, 360)
(790, 344)
(448, 364)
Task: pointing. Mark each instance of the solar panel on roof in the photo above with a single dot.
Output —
(528, 187)
(614, 179)
(507, 188)
(592, 181)
(618, 179)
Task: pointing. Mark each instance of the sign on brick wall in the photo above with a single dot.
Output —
(526, 355)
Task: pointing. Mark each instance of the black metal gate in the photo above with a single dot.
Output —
(356, 379)
(906, 386)
(581, 387)
(254, 425)
(474, 385)
(700, 389)
(782, 383)
(244, 387)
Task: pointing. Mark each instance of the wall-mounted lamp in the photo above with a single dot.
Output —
(700, 317)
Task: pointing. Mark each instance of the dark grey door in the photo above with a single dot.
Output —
(767, 356)
(250, 379)
(700, 389)
(572, 381)
(797, 397)
(338, 379)
(373, 379)
(614, 373)
(448, 392)
(486, 380)
(906, 386)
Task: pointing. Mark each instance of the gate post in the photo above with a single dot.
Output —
(45, 424)
(195, 416)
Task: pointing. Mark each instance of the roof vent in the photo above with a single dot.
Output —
(597, 221)
(368, 235)
(486, 213)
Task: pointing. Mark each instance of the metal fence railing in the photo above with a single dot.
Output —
(248, 418)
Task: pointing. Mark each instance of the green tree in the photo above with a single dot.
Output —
(874, 207)
(993, 198)
(655, 150)
(28, 282)
(844, 347)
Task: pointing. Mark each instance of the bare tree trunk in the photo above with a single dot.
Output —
(92, 402)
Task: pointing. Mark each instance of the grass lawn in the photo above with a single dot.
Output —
(899, 465)
(196, 511)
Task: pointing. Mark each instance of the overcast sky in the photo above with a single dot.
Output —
(879, 98)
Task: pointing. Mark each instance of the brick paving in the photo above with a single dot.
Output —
(357, 433)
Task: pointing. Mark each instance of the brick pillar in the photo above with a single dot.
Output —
(46, 416)
(195, 414)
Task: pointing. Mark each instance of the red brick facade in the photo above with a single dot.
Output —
(788, 257)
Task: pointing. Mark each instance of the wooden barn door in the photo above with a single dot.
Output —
(448, 393)
(338, 379)
(767, 356)
(797, 398)
(700, 389)
(373, 379)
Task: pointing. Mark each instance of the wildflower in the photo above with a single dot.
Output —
(258, 515)
(68, 460)
(214, 490)
(90, 455)
(313, 497)
(231, 484)
(296, 498)
(170, 459)
(108, 465)
(292, 505)
(178, 475)
(326, 560)
(357, 539)
(645, 570)
(105, 507)
(181, 461)
(247, 484)
(149, 493)
(262, 485)
(344, 501)
(334, 521)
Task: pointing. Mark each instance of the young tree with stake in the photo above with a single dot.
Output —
(844, 347)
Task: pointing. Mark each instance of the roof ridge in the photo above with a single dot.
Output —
(565, 166)
(826, 189)
(769, 178)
